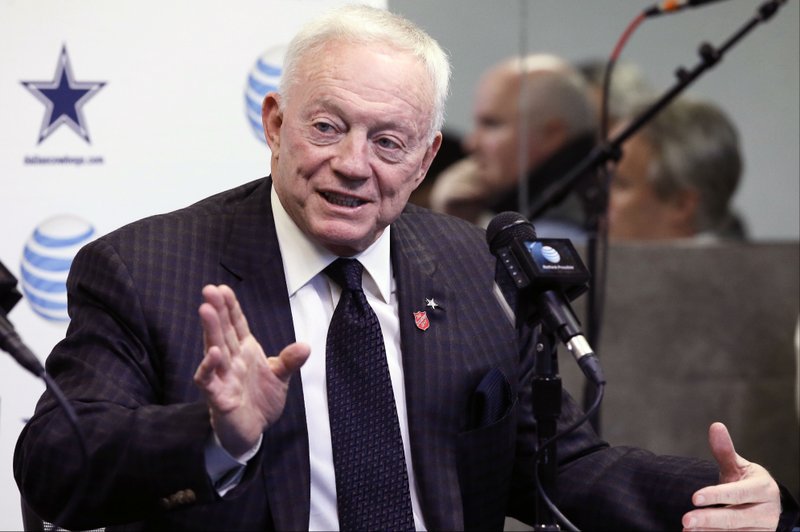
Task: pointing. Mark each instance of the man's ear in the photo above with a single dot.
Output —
(272, 119)
(427, 159)
(684, 206)
(553, 134)
(546, 139)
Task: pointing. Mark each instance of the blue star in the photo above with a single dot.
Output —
(63, 98)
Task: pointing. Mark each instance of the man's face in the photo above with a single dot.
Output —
(351, 144)
(494, 140)
(635, 211)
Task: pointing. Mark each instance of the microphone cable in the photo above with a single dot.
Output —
(612, 61)
(598, 398)
(83, 480)
(14, 346)
(598, 255)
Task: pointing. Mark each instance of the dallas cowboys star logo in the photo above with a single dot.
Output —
(64, 98)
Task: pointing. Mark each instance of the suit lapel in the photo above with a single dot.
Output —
(427, 370)
(253, 257)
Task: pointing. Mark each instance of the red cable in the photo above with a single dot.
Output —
(626, 35)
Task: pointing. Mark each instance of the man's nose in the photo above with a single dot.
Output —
(352, 156)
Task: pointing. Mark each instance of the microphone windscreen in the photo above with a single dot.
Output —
(9, 295)
(506, 227)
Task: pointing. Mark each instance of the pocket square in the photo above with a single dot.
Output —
(491, 399)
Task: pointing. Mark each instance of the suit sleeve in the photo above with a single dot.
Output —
(143, 447)
(599, 486)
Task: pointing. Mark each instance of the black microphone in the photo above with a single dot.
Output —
(9, 339)
(11, 343)
(673, 6)
(547, 273)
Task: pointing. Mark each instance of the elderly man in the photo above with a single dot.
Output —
(333, 404)
(533, 121)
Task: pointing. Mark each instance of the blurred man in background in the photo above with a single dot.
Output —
(677, 176)
(533, 121)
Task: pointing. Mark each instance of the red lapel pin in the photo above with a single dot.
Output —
(421, 320)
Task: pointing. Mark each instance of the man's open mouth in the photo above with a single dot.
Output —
(344, 201)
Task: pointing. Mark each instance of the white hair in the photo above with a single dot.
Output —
(359, 24)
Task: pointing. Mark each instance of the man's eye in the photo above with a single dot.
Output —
(387, 143)
(323, 127)
(490, 123)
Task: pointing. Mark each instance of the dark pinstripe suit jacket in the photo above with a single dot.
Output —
(135, 340)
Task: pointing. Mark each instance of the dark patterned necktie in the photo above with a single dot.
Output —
(371, 478)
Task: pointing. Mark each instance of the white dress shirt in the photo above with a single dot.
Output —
(313, 298)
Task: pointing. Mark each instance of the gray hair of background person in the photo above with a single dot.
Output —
(360, 24)
(695, 146)
(629, 86)
(559, 94)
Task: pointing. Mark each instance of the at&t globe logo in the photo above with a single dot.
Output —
(263, 78)
(46, 260)
(551, 254)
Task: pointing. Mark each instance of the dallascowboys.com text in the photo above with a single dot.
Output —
(63, 160)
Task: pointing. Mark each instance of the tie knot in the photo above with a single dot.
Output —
(346, 273)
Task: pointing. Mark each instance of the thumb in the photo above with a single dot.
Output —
(289, 360)
(730, 463)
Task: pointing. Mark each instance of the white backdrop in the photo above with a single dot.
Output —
(166, 121)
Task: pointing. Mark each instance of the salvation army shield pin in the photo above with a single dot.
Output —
(421, 320)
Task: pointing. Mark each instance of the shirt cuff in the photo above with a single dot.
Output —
(225, 470)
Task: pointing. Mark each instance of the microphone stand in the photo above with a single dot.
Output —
(595, 198)
(11, 343)
(546, 410)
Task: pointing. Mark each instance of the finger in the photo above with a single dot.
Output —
(730, 463)
(291, 358)
(749, 517)
(213, 296)
(237, 317)
(219, 297)
(749, 490)
(213, 335)
(207, 370)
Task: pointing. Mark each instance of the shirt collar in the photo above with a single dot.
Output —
(304, 259)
